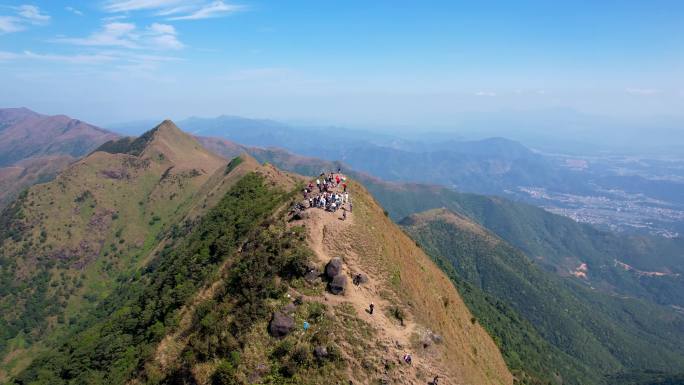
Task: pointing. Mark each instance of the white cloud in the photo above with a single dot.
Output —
(214, 9)
(642, 91)
(175, 9)
(485, 93)
(162, 29)
(32, 14)
(25, 15)
(110, 19)
(163, 36)
(126, 35)
(111, 35)
(74, 11)
(136, 5)
(10, 24)
(120, 59)
(73, 59)
(97, 58)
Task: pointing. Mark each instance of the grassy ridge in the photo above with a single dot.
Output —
(109, 345)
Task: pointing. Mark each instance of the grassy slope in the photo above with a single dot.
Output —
(69, 240)
(16, 178)
(602, 334)
(205, 299)
(422, 289)
(121, 333)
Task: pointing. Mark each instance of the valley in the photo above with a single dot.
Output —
(622, 194)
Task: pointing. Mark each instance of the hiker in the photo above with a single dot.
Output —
(435, 380)
(407, 358)
(337, 179)
(346, 197)
(344, 187)
(370, 308)
(350, 206)
(344, 214)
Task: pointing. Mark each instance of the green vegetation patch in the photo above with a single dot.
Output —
(233, 163)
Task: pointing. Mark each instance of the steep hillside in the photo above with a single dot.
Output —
(413, 298)
(63, 244)
(25, 134)
(34, 148)
(200, 313)
(591, 334)
(27, 172)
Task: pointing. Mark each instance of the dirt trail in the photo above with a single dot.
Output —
(326, 229)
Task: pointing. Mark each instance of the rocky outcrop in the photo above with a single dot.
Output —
(281, 325)
(338, 284)
(333, 268)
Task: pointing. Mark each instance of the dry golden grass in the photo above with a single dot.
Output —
(468, 354)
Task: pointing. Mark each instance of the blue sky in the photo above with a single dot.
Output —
(410, 63)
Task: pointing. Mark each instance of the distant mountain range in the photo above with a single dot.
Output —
(26, 134)
(35, 147)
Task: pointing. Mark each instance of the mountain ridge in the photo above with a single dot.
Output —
(117, 233)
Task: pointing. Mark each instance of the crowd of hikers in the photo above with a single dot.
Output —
(329, 193)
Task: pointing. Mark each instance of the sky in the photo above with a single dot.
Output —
(356, 63)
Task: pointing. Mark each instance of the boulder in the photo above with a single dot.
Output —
(333, 268)
(281, 325)
(299, 215)
(320, 352)
(338, 284)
